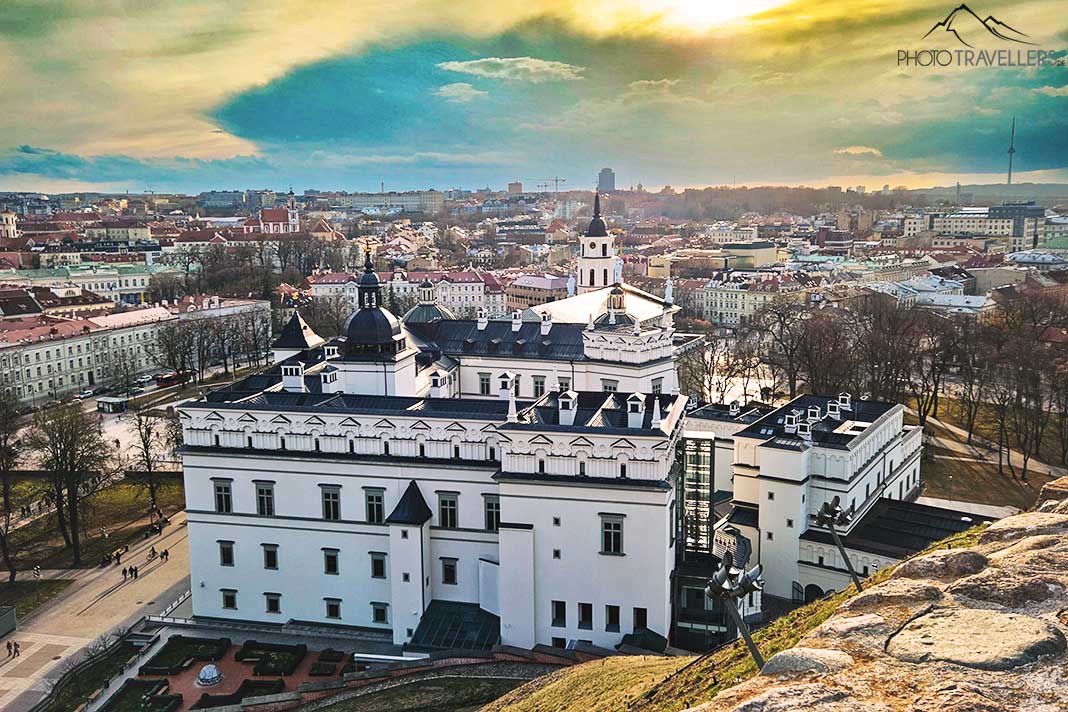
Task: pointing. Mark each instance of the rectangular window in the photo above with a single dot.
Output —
(565, 385)
(611, 619)
(331, 503)
(333, 608)
(448, 571)
(380, 613)
(612, 535)
(229, 599)
(270, 556)
(330, 562)
(515, 390)
(641, 619)
(265, 500)
(493, 514)
(224, 501)
(609, 386)
(539, 386)
(658, 385)
(559, 614)
(585, 616)
(226, 553)
(375, 505)
(483, 384)
(273, 601)
(448, 507)
(378, 565)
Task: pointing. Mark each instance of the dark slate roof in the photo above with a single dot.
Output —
(411, 509)
(772, 427)
(481, 409)
(594, 410)
(451, 625)
(720, 412)
(371, 327)
(744, 515)
(296, 334)
(464, 338)
(897, 529)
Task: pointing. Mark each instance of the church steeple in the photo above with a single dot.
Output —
(597, 258)
(370, 290)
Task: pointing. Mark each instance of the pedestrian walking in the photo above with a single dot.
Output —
(18, 652)
(118, 558)
(9, 648)
(134, 572)
(123, 573)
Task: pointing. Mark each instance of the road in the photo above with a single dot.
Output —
(98, 603)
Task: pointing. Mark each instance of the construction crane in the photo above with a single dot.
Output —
(554, 182)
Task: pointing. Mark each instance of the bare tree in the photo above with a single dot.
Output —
(150, 449)
(72, 450)
(779, 322)
(10, 449)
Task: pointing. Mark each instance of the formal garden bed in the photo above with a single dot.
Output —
(142, 696)
(179, 652)
(271, 658)
(248, 688)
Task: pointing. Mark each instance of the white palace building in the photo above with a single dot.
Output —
(528, 480)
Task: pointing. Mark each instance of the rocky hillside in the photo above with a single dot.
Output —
(974, 628)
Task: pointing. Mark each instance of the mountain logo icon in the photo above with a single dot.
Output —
(963, 23)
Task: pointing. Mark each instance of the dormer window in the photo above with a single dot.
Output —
(791, 420)
(291, 370)
(814, 412)
(331, 351)
(635, 407)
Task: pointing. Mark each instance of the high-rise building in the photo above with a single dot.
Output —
(606, 180)
(515, 187)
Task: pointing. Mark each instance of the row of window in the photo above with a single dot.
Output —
(272, 603)
(374, 504)
(584, 616)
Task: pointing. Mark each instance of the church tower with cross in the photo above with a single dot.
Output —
(598, 264)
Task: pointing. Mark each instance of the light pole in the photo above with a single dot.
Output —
(37, 586)
(832, 516)
(729, 584)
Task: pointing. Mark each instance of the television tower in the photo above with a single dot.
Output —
(1012, 147)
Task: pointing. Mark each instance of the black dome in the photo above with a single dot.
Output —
(371, 327)
(426, 313)
(598, 227)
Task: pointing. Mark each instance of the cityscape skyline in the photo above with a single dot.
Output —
(667, 93)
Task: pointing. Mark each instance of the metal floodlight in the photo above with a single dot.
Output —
(831, 516)
(729, 584)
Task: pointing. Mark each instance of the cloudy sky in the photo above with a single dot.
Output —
(196, 94)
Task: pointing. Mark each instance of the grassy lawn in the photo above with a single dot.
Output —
(27, 595)
(435, 695)
(89, 680)
(647, 684)
(976, 481)
(949, 412)
(121, 508)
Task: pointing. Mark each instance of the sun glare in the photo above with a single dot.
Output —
(701, 15)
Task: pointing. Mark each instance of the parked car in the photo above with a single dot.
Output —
(85, 395)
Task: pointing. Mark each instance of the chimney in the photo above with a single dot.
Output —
(566, 403)
(293, 377)
(439, 385)
(517, 320)
(546, 323)
(735, 409)
(790, 423)
(635, 410)
(482, 320)
(504, 390)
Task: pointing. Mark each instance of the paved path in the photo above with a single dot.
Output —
(96, 604)
(983, 450)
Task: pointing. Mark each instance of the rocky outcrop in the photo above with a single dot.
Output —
(978, 629)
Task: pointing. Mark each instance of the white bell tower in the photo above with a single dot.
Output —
(597, 262)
